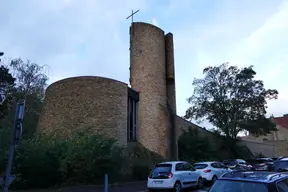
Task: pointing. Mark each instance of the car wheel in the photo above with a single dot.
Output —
(200, 183)
(214, 179)
(177, 187)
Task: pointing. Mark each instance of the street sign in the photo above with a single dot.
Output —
(17, 131)
(8, 182)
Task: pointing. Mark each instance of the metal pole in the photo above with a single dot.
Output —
(106, 183)
(11, 153)
(15, 133)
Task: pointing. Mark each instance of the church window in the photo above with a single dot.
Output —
(133, 98)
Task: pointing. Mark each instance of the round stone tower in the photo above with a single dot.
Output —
(86, 102)
(148, 77)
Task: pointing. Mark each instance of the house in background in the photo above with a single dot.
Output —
(277, 138)
(281, 133)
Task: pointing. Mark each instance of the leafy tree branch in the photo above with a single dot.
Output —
(232, 100)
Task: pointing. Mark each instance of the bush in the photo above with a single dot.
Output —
(89, 157)
(259, 155)
(5, 136)
(37, 162)
(140, 161)
(193, 147)
(47, 161)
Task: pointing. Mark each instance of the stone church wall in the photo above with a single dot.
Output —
(97, 103)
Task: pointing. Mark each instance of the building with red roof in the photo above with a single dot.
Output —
(280, 135)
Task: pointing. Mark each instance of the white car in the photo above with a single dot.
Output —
(175, 175)
(212, 170)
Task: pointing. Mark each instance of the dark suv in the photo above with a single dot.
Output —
(251, 181)
(281, 165)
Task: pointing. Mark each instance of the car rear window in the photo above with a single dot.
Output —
(229, 162)
(238, 186)
(200, 166)
(265, 160)
(280, 166)
(253, 161)
(161, 171)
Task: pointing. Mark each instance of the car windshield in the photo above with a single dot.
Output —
(229, 162)
(161, 171)
(280, 166)
(238, 186)
(200, 166)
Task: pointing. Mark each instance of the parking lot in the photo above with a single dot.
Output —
(131, 187)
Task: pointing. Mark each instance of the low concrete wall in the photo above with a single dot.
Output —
(182, 124)
(268, 150)
(281, 147)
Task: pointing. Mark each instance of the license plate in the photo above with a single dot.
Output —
(158, 182)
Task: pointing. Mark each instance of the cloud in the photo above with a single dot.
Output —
(269, 38)
(257, 36)
(154, 22)
(73, 37)
(91, 37)
(266, 49)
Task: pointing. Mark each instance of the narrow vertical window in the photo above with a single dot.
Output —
(132, 115)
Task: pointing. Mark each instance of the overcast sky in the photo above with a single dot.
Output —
(91, 37)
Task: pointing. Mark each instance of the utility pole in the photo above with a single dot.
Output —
(16, 135)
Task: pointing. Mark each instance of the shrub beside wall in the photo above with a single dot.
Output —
(48, 161)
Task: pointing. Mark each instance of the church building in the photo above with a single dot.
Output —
(143, 112)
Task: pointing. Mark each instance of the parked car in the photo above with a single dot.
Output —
(276, 158)
(257, 165)
(237, 164)
(251, 181)
(210, 171)
(281, 165)
(174, 175)
(268, 162)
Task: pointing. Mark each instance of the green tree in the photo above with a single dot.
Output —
(30, 77)
(193, 147)
(7, 83)
(31, 82)
(232, 100)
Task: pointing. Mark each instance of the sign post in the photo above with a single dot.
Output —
(16, 135)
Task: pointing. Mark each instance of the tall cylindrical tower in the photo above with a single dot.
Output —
(148, 77)
(171, 94)
(170, 69)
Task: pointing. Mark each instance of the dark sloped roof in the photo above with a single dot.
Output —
(282, 121)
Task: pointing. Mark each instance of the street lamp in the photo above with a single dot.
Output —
(1, 54)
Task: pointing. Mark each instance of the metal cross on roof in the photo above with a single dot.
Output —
(132, 14)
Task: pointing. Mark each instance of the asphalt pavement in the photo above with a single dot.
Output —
(128, 187)
(132, 187)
